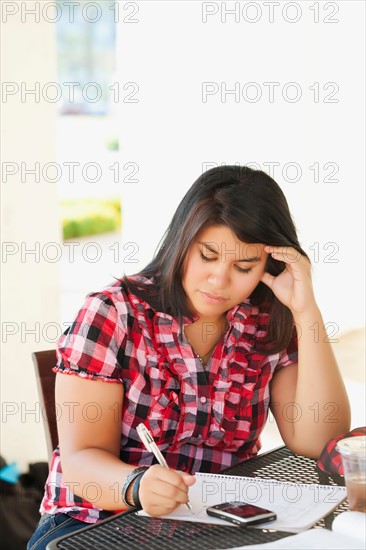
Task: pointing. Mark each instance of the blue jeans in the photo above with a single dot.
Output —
(50, 527)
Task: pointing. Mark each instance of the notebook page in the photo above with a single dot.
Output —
(298, 506)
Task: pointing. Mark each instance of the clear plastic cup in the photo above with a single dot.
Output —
(353, 453)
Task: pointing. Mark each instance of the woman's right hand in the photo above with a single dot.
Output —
(162, 490)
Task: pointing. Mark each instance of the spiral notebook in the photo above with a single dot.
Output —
(298, 505)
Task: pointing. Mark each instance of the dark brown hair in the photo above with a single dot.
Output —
(254, 207)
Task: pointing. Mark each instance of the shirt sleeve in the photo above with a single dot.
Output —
(289, 356)
(93, 346)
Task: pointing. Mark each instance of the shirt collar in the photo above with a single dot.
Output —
(236, 316)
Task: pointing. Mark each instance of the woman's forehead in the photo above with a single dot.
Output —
(219, 239)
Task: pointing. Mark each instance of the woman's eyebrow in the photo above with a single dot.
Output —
(249, 260)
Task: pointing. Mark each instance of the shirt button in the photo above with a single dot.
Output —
(183, 467)
(203, 399)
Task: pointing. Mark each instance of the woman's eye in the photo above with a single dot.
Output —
(241, 270)
(205, 259)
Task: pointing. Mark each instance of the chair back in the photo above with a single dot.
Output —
(45, 377)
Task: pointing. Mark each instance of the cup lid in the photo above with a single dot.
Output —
(352, 445)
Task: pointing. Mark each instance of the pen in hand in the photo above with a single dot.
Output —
(150, 445)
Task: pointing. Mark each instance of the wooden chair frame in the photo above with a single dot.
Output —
(45, 377)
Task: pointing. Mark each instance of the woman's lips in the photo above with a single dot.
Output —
(212, 298)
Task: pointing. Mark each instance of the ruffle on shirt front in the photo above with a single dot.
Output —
(185, 407)
(236, 377)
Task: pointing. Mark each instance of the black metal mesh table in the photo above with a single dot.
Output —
(127, 530)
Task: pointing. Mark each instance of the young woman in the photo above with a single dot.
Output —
(215, 330)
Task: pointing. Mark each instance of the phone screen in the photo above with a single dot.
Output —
(241, 509)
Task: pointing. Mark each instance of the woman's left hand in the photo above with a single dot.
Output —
(293, 287)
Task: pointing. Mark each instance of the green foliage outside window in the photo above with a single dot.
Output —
(90, 216)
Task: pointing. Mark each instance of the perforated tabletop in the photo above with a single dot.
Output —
(127, 530)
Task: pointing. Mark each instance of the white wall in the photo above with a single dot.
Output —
(30, 284)
(167, 50)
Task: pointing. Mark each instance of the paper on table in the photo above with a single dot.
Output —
(314, 539)
(348, 533)
(352, 524)
(298, 506)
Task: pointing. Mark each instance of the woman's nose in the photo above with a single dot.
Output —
(219, 276)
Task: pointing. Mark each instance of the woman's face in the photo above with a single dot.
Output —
(220, 271)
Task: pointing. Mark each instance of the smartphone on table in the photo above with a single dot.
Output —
(241, 513)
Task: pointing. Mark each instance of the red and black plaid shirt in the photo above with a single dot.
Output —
(202, 419)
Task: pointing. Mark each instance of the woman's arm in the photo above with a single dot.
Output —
(309, 402)
(89, 429)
